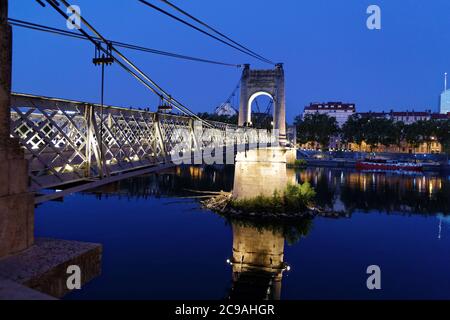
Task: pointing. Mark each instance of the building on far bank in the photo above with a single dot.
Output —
(440, 116)
(343, 112)
(407, 117)
(340, 111)
(445, 98)
(404, 147)
(373, 115)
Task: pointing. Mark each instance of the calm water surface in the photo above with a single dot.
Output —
(159, 245)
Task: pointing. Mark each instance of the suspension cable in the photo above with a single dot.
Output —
(212, 29)
(204, 32)
(39, 27)
(140, 76)
(233, 93)
(269, 106)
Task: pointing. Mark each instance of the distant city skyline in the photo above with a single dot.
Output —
(328, 52)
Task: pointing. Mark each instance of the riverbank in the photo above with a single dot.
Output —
(351, 164)
(431, 162)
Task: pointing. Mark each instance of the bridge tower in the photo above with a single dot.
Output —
(16, 203)
(270, 83)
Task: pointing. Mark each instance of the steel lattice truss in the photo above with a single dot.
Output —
(62, 138)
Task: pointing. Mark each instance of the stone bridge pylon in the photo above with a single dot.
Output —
(270, 83)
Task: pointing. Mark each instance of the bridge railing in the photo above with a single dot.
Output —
(70, 141)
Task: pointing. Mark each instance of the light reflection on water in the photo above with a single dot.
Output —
(159, 247)
(385, 192)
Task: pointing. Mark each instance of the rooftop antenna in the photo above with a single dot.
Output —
(445, 81)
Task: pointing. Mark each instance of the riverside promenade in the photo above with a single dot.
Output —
(431, 162)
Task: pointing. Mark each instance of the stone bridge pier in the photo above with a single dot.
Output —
(260, 172)
(16, 203)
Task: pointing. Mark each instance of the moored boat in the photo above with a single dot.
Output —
(388, 165)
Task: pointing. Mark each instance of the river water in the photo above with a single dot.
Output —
(158, 244)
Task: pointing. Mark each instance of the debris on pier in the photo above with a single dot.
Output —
(221, 203)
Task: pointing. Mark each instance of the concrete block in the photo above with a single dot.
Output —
(43, 267)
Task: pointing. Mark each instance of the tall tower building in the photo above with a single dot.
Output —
(445, 98)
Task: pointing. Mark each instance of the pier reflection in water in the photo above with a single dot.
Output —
(258, 262)
(258, 256)
(147, 230)
(258, 248)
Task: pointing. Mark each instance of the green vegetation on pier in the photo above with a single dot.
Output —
(294, 199)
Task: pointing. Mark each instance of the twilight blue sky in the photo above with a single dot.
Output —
(328, 52)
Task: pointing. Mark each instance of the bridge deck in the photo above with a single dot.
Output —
(73, 142)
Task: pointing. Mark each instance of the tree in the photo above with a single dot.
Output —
(379, 131)
(316, 128)
(428, 130)
(412, 135)
(399, 130)
(442, 133)
(352, 130)
(215, 117)
(420, 132)
(373, 131)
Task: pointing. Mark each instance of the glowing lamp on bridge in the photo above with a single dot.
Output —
(164, 107)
